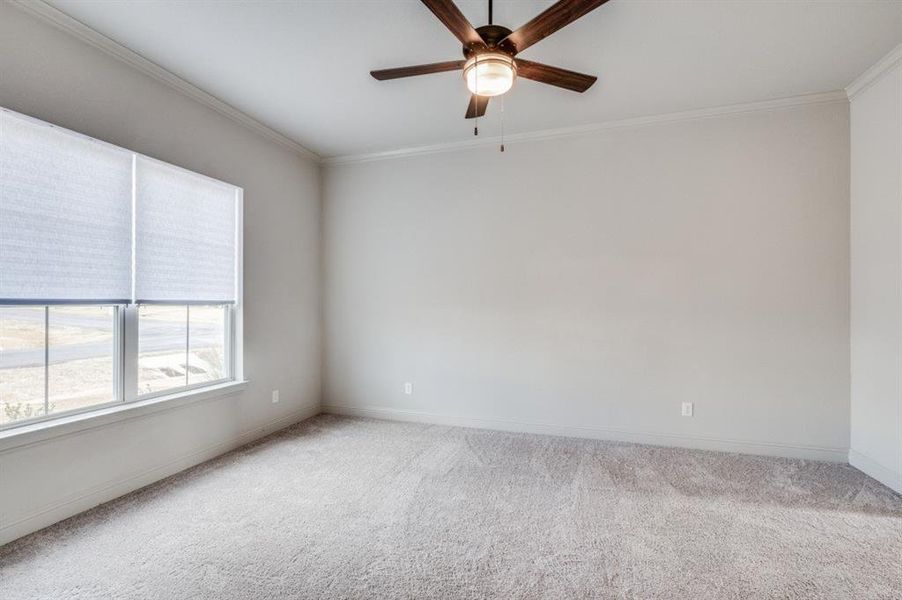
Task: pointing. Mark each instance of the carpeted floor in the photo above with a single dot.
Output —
(355, 508)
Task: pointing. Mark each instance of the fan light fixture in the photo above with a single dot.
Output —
(490, 73)
(491, 60)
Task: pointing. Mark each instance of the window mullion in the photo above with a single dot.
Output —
(187, 340)
(46, 360)
(129, 352)
(228, 334)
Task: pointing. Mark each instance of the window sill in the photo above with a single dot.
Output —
(26, 435)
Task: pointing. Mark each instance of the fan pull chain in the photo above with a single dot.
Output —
(502, 122)
(476, 97)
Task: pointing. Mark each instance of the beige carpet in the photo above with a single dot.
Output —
(354, 508)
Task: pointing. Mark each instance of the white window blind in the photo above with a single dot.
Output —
(65, 216)
(185, 242)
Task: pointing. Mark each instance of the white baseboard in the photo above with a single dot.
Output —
(839, 455)
(872, 468)
(113, 489)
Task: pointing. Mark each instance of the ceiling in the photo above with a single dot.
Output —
(302, 67)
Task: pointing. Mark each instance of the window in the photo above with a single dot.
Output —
(181, 346)
(119, 275)
(55, 359)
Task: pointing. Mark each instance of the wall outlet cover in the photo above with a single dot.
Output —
(687, 409)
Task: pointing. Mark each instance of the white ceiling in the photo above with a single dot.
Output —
(302, 67)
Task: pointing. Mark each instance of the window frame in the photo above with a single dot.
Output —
(125, 364)
(117, 368)
(132, 348)
(125, 332)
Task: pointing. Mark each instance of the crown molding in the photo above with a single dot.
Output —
(582, 130)
(61, 20)
(875, 73)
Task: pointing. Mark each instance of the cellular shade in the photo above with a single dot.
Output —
(185, 243)
(65, 216)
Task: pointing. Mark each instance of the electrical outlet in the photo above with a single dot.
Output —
(408, 388)
(275, 396)
(687, 409)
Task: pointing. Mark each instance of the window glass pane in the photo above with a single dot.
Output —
(81, 354)
(162, 347)
(206, 343)
(21, 363)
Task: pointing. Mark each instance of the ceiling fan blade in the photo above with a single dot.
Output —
(451, 65)
(448, 13)
(558, 15)
(569, 80)
(477, 106)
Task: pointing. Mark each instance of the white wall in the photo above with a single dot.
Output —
(876, 419)
(588, 286)
(55, 77)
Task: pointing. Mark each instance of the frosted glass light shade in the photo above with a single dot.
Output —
(490, 74)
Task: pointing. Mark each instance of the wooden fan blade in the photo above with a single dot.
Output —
(448, 13)
(558, 15)
(477, 106)
(451, 65)
(569, 80)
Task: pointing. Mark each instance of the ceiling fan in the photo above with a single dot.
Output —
(489, 64)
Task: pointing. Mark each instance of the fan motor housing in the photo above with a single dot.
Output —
(492, 35)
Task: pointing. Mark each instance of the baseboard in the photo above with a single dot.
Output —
(113, 489)
(600, 433)
(872, 468)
